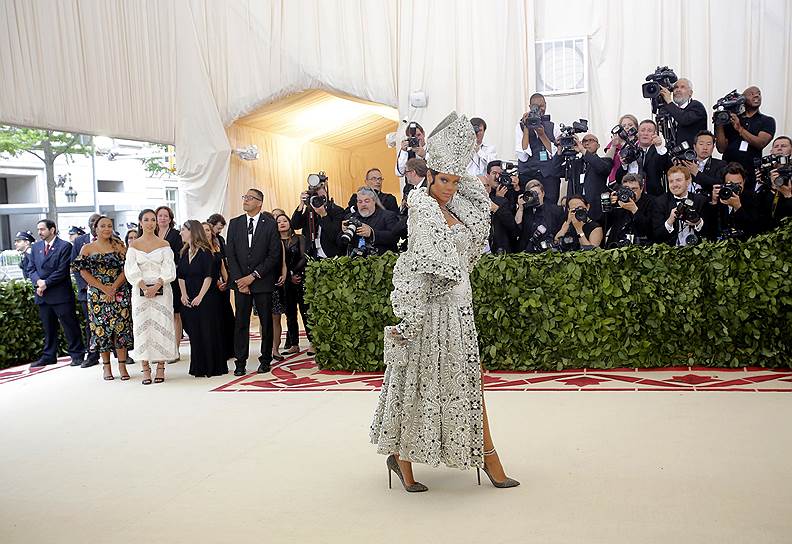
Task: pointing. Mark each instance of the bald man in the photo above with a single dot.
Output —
(743, 140)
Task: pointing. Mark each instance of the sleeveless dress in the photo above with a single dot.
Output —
(430, 406)
(152, 318)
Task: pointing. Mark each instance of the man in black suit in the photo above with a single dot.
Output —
(320, 224)
(48, 271)
(633, 217)
(381, 228)
(595, 170)
(539, 222)
(669, 228)
(504, 232)
(254, 253)
(652, 161)
(690, 115)
(707, 171)
(374, 181)
(78, 242)
(731, 215)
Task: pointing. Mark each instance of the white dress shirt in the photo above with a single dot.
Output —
(256, 219)
(478, 163)
(524, 154)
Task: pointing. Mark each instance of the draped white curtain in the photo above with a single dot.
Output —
(181, 71)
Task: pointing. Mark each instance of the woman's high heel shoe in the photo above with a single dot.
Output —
(108, 376)
(160, 377)
(508, 482)
(147, 374)
(393, 466)
(124, 375)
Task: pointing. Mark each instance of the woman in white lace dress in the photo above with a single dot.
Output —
(431, 408)
(150, 269)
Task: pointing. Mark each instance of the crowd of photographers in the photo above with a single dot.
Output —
(655, 180)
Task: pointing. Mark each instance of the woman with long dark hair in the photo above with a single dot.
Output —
(294, 286)
(101, 265)
(150, 268)
(225, 314)
(199, 303)
(166, 231)
(431, 407)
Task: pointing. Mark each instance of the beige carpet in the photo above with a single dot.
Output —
(82, 460)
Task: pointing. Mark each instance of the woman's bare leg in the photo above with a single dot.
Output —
(492, 462)
(406, 469)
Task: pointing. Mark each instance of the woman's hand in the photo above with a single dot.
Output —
(281, 281)
(221, 285)
(196, 301)
(185, 301)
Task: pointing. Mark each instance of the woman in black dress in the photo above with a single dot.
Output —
(220, 290)
(199, 304)
(578, 231)
(294, 286)
(165, 231)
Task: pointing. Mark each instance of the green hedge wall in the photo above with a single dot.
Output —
(21, 334)
(724, 304)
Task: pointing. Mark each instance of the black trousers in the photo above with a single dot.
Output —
(66, 314)
(92, 355)
(244, 305)
(295, 297)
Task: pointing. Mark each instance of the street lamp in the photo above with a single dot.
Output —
(71, 195)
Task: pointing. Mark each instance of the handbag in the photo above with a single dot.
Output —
(158, 293)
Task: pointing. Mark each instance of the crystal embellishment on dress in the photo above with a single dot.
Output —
(450, 145)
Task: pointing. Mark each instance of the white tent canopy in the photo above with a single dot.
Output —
(183, 71)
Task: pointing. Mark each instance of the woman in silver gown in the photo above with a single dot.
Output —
(431, 408)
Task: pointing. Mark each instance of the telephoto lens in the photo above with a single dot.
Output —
(581, 214)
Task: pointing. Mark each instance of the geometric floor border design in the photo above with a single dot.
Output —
(299, 372)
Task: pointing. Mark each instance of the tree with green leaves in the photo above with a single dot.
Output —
(46, 145)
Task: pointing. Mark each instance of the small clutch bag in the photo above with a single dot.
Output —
(158, 293)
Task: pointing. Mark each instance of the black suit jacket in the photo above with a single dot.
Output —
(653, 167)
(663, 206)
(717, 217)
(504, 232)
(53, 268)
(308, 221)
(619, 221)
(387, 227)
(549, 215)
(388, 202)
(263, 256)
(690, 120)
(711, 175)
(595, 181)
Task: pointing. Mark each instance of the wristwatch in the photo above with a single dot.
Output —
(256, 275)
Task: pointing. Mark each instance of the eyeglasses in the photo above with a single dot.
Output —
(248, 197)
(378, 179)
(587, 140)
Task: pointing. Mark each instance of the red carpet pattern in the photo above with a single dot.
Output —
(300, 373)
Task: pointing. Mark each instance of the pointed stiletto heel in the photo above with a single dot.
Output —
(393, 466)
(508, 482)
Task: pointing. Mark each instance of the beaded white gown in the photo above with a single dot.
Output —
(152, 318)
(430, 407)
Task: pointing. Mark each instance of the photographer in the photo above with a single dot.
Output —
(412, 146)
(483, 153)
(690, 115)
(374, 181)
(536, 159)
(652, 160)
(629, 124)
(774, 196)
(414, 176)
(594, 169)
(320, 224)
(707, 171)
(730, 210)
(538, 220)
(579, 231)
(744, 138)
(678, 220)
(631, 214)
(377, 229)
(504, 232)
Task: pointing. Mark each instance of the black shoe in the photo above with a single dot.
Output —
(89, 363)
(130, 360)
(263, 368)
(41, 362)
(77, 362)
(277, 357)
(240, 369)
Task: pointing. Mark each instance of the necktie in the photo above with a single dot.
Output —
(250, 226)
(46, 249)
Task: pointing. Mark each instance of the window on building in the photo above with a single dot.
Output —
(172, 200)
(562, 66)
(110, 186)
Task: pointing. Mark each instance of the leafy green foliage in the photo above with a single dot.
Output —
(21, 334)
(715, 304)
(17, 140)
(159, 166)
